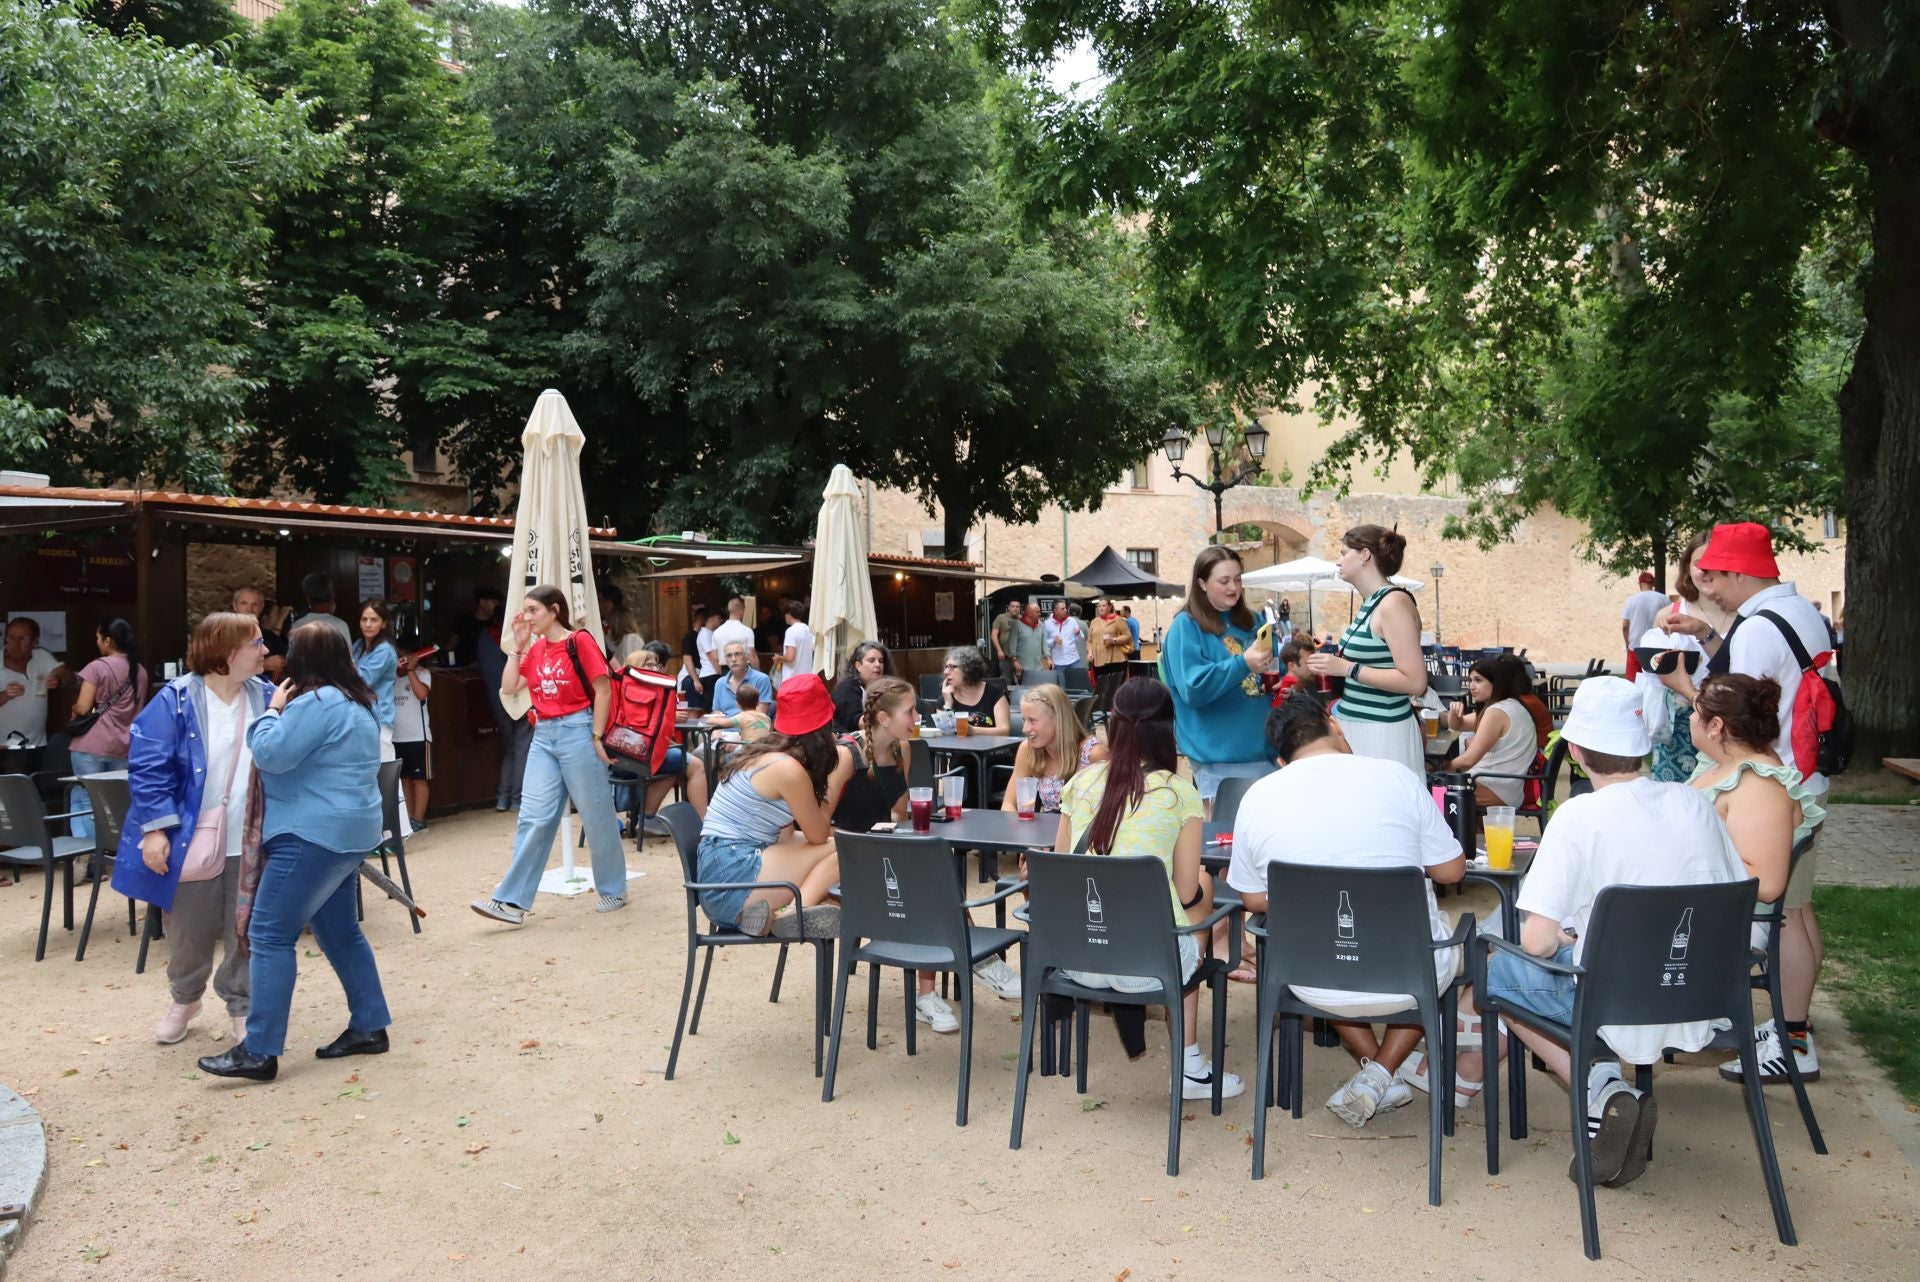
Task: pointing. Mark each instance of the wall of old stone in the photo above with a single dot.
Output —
(216, 570)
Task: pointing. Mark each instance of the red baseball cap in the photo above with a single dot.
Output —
(1646, 576)
(803, 705)
(1745, 548)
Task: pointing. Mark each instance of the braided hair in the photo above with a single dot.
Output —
(882, 696)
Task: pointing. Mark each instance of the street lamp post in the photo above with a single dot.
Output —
(1438, 570)
(1175, 446)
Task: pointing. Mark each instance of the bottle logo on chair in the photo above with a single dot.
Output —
(892, 880)
(1346, 941)
(1096, 911)
(1682, 936)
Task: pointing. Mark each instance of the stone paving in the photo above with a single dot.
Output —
(1870, 846)
(23, 1169)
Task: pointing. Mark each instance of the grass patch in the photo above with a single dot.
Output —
(1873, 933)
(1870, 799)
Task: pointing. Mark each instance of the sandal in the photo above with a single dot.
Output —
(1245, 975)
(1413, 1073)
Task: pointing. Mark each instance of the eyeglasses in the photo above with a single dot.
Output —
(259, 643)
(950, 667)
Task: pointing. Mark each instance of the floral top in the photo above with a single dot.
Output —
(1150, 828)
(1051, 786)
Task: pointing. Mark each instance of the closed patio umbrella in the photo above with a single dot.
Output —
(840, 611)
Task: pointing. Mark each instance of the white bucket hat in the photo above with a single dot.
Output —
(1607, 717)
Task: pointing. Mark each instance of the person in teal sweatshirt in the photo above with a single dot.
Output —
(1211, 661)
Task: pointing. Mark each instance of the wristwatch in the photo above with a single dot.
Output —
(1713, 633)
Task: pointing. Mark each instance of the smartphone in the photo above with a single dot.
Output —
(1264, 638)
(888, 826)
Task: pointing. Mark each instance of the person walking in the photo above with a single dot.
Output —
(413, 735)
(1133, 631)
(317, 750)
(1212, 663)
(565, 676)
(1108, 641)
(1005, 653)
(1066, 639)
(1379, 654)
(1030, 642)
(189, 773)
(115, 686)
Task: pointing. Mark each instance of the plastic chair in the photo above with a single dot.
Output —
(1110, 915)
(684, 822)
(111, 800)
(1226, 801)
(1041, 677)
(902, 897)
(931, 686)
(27, 840)
(1365, 930)
(1638, 940)
(393, 843)
(1075, 681)
(1764, 974)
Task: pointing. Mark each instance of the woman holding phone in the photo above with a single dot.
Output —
(1211, 662)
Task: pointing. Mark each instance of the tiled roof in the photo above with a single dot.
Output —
(292, 507)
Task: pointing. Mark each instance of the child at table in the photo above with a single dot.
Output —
(749, 723)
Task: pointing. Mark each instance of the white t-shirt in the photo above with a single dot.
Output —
(26, 716)
(410, 721)
(1063, 640)
(1338, 810)
(730, 631)
(1513, 754)
(225, 735)
(1640, 833)
(800, 638)
(703, 642)
(1641, 610)
(1760, 651)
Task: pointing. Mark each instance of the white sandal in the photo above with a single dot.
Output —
(1413, 1073)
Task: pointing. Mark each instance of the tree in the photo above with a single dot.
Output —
(131, 175)
(778, 243)
(173, 22)
(378, 325)
(1560, 249)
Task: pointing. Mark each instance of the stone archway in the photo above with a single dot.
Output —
(1286, 531)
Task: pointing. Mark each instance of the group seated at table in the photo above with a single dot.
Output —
(1054, 745)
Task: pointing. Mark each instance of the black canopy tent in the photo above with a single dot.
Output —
(1113, 575)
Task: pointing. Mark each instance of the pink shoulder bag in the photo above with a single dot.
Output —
(207, 851)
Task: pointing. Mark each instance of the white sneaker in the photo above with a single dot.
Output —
(172, 1027)
(1399, 1095)
(499, 910)
(1773, 1064)
(1198, 1083)
(933, 1011)
(1003, 979)
(1356, 1102)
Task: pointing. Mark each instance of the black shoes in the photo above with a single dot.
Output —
(240, 1062)
(352, 1043)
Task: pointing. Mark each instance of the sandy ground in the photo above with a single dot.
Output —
(521, 1128)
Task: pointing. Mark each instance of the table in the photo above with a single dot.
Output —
(1505, 883)
(1214, 858)
(996, 831)
(979, 748)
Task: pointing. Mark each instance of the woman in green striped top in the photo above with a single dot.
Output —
(1379, 653)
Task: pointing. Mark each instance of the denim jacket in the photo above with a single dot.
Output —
(319, 765)
(167, 775)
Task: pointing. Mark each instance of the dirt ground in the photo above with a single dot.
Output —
(521, 1128)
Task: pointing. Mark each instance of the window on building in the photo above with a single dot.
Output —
(1138, 478)
(1145, 560)
(1830, 524)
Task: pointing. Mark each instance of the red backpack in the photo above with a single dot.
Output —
(640, 726)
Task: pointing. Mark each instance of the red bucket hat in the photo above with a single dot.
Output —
(1746, 548)
(803, 705)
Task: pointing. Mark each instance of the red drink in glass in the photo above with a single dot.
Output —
(922, 814)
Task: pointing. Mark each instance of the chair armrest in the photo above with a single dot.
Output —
(1257, 925)
(787, 886)
(1212, 919)
(69, 814)
(1003, 892)
(1463, 932)
(1544, 963)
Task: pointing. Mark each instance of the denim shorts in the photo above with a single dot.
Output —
(675, 762)
(1524, 984)
(1208, 774)
(727, 859)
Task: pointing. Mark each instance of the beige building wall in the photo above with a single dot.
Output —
(1533, 591)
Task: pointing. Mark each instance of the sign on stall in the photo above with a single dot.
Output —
(373, 577)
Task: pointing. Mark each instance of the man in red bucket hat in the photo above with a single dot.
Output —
(1738, 573)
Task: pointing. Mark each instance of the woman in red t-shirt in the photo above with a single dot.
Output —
(565, 675)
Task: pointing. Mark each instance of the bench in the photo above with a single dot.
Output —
(1908, 766)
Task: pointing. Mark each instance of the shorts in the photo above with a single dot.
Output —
(1799, 892)
(1540, 991)
(1189, 962)
(1345, 1005)
(413, 759)
(1208, 774)
(727, 859)
(675, 762)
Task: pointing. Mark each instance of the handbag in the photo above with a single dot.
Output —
(207, 849)
(77, 726)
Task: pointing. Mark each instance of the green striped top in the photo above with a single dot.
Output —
(1368, 650)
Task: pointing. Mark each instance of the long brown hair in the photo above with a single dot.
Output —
(1200, 609)
(317, 657)
(882, 696)
(815, 750)
(1140, 740)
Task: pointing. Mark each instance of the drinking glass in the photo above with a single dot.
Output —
(920, 802)
(1027, 796)
(953, 791)
(1499, 830)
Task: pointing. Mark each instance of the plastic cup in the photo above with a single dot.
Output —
(953, 791)
(963, 725)
(1499, 830)
(1027, 797)
(1429, 723)
(920, 802)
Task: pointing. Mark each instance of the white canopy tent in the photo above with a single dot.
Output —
(1310, 574)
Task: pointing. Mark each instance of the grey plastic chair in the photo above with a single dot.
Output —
(683, 821)
(1638, 939)
(1110, 915)
(394, 844)
(111, 800)
(900, 906)
(27, 841)
(1226, 801)
(1365, 930)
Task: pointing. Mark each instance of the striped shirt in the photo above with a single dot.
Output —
(1361, 702)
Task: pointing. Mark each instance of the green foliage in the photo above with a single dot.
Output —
(376, 331)
(130, 176)
(173, 22)
(1872, 935)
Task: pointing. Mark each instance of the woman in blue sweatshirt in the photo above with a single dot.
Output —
(1211, 664)
(317, 751)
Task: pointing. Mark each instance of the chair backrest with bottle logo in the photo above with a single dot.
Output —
(1365, 930)
(901, 889)
(1103, 914)
(1666, 955)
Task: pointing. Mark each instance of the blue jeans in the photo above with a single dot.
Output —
(1540, 991)
(561, 763)
(303, 882)
(87, 763)
(1208, 774)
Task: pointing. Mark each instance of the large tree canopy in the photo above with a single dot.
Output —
(130, 181)
(1578, 254)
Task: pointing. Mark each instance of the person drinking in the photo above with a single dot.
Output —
(1379, 656)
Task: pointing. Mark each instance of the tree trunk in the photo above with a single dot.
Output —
(956, 518)
(1880, 443)
(1659, 562)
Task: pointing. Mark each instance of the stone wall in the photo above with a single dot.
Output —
(216, 570)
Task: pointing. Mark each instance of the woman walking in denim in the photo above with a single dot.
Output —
(565, 675)
(316, 752)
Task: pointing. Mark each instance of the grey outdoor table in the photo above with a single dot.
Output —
(979, 748)
(1506, 883)
(995, 831)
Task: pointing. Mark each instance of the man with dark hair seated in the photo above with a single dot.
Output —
(1330, 808)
